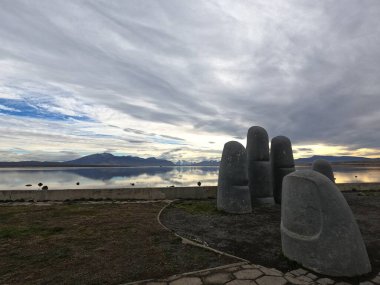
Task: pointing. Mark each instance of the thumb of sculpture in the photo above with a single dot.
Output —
(318, 229)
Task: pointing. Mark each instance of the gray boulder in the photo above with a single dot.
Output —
(282, 161)
(318, 229)
(259, 168)
(324, 167)
(233, 194)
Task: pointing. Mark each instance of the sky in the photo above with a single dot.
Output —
(178, 79)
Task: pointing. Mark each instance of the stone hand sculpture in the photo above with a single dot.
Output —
(282, 161)
(324, 167)
(318, 229)
(233, 194)
(259, 167)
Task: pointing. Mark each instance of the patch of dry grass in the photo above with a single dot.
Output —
(92, 244)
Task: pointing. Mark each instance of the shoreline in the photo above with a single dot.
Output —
(151, 193)
(54, 165)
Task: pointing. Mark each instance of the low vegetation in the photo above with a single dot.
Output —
(99, 243)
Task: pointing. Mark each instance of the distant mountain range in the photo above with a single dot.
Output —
(337, 159)
(107, 159)
(99, 159)
(202, 163)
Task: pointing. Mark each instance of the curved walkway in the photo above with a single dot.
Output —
(242, 273)
(247, 274)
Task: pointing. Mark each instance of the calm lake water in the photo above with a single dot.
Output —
(122, 177)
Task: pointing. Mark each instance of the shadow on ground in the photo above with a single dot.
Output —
(256, 237)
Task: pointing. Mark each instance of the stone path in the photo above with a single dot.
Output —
(248, 274)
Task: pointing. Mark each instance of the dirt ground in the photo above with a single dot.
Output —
(256, 236)
(92, 244)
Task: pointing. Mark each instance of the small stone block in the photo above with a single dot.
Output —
(271, 271)
(241, 282)
(312, 276)
(304, 278)
(187, 281)
(298, 272)
(296, 281)
(248, 274)
(325, 281)
(232, 269)
(271, 280)
(217, 278)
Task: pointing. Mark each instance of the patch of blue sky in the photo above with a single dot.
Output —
(94, 135)
(19, 151)
(168, 141)
(24, 108)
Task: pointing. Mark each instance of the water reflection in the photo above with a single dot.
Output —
(110, 177)
(121, 177)
(354, 174)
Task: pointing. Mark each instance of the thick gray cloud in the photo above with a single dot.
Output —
(306, 69)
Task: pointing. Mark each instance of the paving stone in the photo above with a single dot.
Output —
(271, 271)
(187, 281)
(376, 280)
(312, 276)
(304, 278)
(232, 269)
(342, 283)
(298, 272)
(288, 274)
(241, 282)
(271, 280)
(295, 281)
(156, 283)
(217, 278)
(251, 266)
(325, 281)
(248, 274)
(366, 283)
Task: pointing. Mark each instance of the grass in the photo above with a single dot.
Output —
(78, 243)
(369, 193)
(19, 232)
(207, 207)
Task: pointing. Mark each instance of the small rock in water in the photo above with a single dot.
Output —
(78, 183)
(199, 183)
(28, 185)
(40, 184)
(172, 186)
(133, 184)
(45, 187)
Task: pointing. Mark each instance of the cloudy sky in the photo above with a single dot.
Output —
(177, 79)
